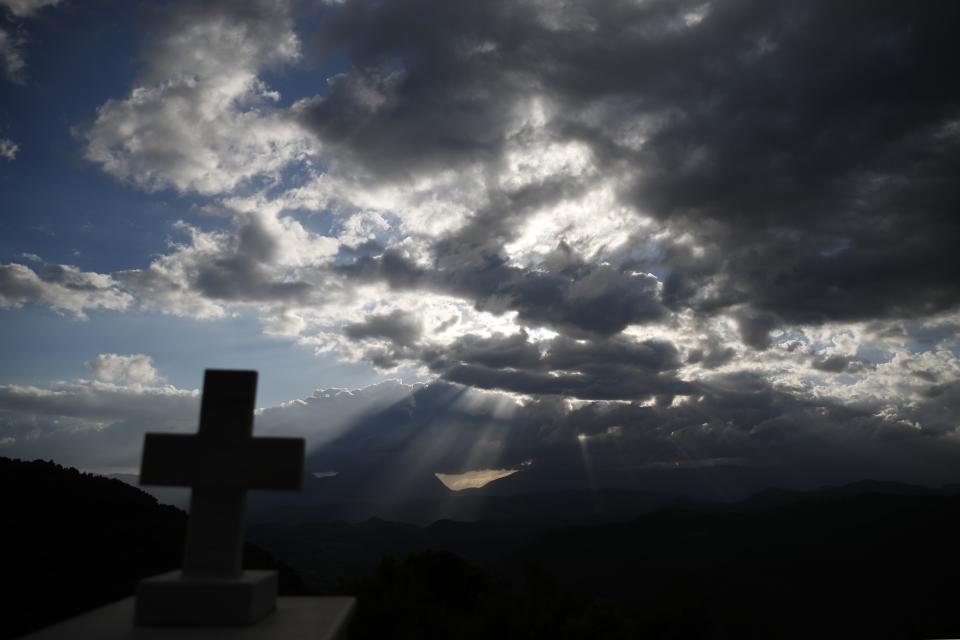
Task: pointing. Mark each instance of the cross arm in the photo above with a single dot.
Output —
(179, 460)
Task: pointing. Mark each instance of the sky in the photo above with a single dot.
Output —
(600, 242)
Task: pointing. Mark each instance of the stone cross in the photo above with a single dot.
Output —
(221, 463)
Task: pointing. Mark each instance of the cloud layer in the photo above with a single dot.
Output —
(389, 441)
(704, 231)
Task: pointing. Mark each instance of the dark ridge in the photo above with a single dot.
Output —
(870, 559)
(867, 566)
(774, 497)
(74, 541)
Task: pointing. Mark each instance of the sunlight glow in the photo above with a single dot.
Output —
(473, 479)
(590, 225)
(696, 16)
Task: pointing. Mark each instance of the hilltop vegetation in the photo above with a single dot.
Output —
(74, 541)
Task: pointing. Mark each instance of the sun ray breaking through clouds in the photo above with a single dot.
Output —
(626, 237)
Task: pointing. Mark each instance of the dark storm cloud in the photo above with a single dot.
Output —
(245, 266)
(831, 364)
(579, 298)
(421, 92)
(387, 265)
(602, 368)
(742, 416)
(614, 367)
(712, 357)
(838, 363)
(590, 299)
(755, 328)
(592, 386)
(810, 148)
(398, 327)
(651, 355)
(243, 270)
(497, 351)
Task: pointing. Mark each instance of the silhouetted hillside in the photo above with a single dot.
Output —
(468, 505)
(869, 559)
(780, 497)
(73, 541)
(870, 565)
(329, 554)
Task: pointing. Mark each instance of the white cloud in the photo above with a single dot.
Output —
(61, 287)
(11, 55)
(329, 413)
(431, 203)
(266, 260)
(696, 16)
(89, 424)
(25, 8)
(129, 370)
(99, 424)
(205, 137)
(884, 368)
(593, 225)
(12, 59)
(8, 148)
(200, 119)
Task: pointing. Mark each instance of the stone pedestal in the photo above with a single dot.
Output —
(178, 599)
(295, 618)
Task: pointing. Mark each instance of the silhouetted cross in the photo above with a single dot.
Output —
(221, 462)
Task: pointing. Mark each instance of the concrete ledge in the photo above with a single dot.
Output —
(295, 618)
(176, 599)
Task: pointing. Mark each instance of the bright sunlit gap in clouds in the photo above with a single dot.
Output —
(473, 479)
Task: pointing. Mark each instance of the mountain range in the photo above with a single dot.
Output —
(874, 559)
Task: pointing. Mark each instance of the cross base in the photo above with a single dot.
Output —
(176, 599)
(296, 618)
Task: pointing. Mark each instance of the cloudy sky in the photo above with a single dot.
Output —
(604, 239)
